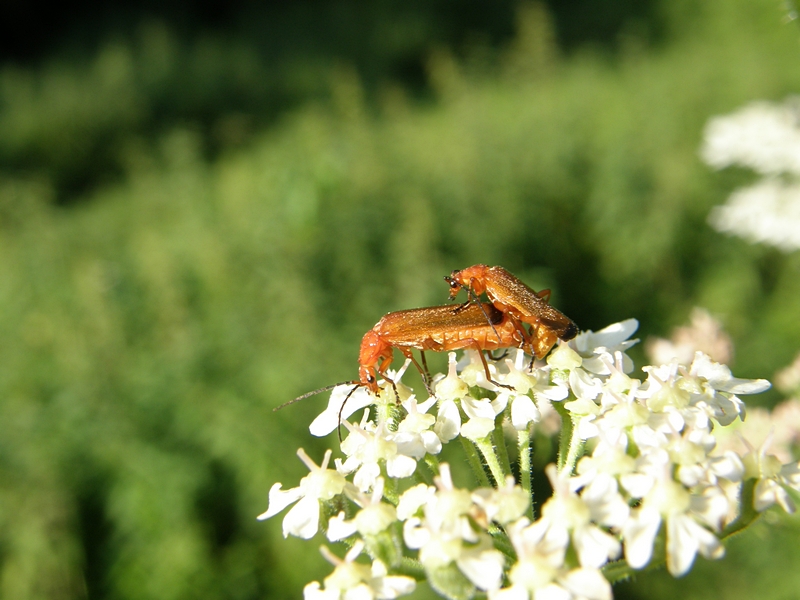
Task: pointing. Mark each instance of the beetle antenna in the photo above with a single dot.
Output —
(341, 408)
(327, 388)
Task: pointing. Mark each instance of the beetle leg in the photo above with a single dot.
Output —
(475, 346)
(423, 369)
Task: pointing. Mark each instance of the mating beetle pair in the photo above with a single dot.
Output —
(492, 325)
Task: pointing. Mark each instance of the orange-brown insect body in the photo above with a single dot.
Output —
(511, 296)
(437, 328)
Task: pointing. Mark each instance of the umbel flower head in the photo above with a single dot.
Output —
(639, 476)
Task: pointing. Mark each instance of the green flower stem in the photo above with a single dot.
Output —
(576, 445)
(502, 543)
(525, 450)
(501, 449)
(390, 490)
(432, 463)
(748, 513)
(567, 431)
(474, 461)
(492, 460)
(411, 567)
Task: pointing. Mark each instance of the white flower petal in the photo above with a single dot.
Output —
(477, 429)
(415, 534)
(303, 519)
(280, 499)
(328, 420)
(478, 409)
(413, 499)
(595, 547)
(401, 466)
(448, 423)
(639, 534)
(685, 538)
(339, 528)
(524, 412)
(394, 586)
(312, 591)
(483, 568)
(587, 583)
(367, 475)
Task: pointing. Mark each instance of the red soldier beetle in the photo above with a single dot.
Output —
(437, 328)
(512, 297)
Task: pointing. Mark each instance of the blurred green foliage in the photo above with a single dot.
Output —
(157, 300)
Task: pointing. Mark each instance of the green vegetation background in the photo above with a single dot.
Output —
(190, 235)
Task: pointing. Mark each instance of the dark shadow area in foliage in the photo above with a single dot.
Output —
(233, 68)
(217, 506)
(95, 530)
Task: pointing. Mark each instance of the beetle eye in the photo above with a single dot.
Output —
(370, 378)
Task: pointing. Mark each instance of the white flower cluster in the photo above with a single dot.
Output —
(639, 479)
(764, 137)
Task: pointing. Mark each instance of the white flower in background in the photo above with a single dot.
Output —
(766, 138)
(767, 212)
(319, 485)
(351, 580)
(781, 426)
(704, 333)
(762, 136)
(787, 379)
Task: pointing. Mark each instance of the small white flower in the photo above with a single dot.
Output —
(356, 581)
(670, 502)
(772, 478)
(481, 413)
(451, 387)
(540, 572)
(319, 485)
(414, 436)
(448, 421)
(565, 511)
(523, 412)
(347, 398)
(592, 346)
(413, 499)
(328, 420)
(444, 534)
(502, 505)
(375, 516)
(367, 447)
